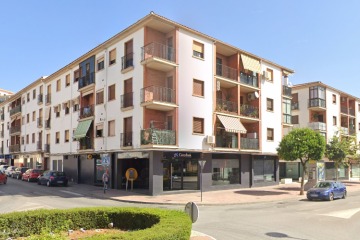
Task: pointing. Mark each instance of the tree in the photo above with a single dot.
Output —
(302, 144)
(338, 150)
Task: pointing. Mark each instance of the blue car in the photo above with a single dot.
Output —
(327, 190)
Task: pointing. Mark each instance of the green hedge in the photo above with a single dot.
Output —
(140, 223)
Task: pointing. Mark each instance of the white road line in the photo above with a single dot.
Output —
(32, 206)
(76, 194)
(346, 214)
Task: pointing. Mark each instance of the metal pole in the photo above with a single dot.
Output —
(201, 183)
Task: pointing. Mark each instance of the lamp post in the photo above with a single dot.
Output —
(202, 164)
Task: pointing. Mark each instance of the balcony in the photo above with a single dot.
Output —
(287, 91)
(2, 117)
(226, 106)
(86, 80)
(1, 134)
(85, 143)
(158, 56)
(157, 137)
(226, 72)
(227, 140)
(47, 124)
(126, 139)
(344, 130)
(86, 112)
(48, 98)
(344, 110)
(286, 118)
(39, 145)
(317, 126)
(249, 143)
(352, 130)
(15, 129)
(295, 105)
(14, 148)
(47, 148)
(249, 111)
(352, 112)
(249, 80)
(127, 61)
(317, 103)
(127, 100)
(158, 98)
(40, 122)
(15, 110)
(40, 99)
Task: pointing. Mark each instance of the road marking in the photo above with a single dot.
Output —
(76, 194)
(346, 214)
(32, 206)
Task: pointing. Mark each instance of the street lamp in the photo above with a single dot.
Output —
(202, 164)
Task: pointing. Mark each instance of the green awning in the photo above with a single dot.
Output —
(82, 129)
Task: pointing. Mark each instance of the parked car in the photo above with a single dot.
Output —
(19, 172)
(52, 178)
(327, 190)
(3, 168)
(31, 175)
(9, 170)
(3, 178)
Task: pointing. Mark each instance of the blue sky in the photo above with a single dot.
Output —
(318, 39)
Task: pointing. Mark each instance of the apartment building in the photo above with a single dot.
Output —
(330, 112)
(4, 95)
(148, 104)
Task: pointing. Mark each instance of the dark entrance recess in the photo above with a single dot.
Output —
(142, 167)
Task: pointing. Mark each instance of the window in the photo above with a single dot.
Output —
(100, 97)
(99, 130)
(270, 74)
(27, 118)
(295, 119)
(112, 57)
(76, 75)
(225, 171)
(100, 64)
(264, 170)
(33, 116)
(269, 104)
(198, 49)
(334, 121)
(58, 85)
(111, 92)
(57, 110)
(111, 128)
(198, 125)
(27, 139)
(33, 138)
(198, 88)
(334, 98)
(270, 134)
(76, 107)
(67, 80)
(67, 135)
(22, 140)
(28, 97)
(57, 137)
(34, 93)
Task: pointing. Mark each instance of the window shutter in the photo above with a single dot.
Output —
(198, 47)
(198, 88)
(198, 125)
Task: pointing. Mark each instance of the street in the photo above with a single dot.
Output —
(287, 219)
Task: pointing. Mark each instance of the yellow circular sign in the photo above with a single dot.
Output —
(131, 174)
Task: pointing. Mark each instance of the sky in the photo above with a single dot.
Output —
(319, 40)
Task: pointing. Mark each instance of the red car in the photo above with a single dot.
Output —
(3, 178)
(31, 175)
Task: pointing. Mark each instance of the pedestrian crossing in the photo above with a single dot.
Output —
(345, 214)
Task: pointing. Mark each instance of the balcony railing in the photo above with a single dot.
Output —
(86, 80)
(344, 130)
(15, 129)
(47, 148)
(249, 143)
(317, 126)
(352, 130)
(352, 112)
(226, 106)
(14, 148)
(39, 145)
(249, 111)
(317, 102)
(227, 140)
(249, 79)
(159, 50)
(87, 111)
(344, 110)
(287, 91)
(225, 71)
(85, 143)
(157, 93)
(2, 117)
(158, 137)
(40, 98)
(40, 122)
(127, 61)
(127, 100)
(15, 110)
(126, 139)
(48, 98)
(287, 118)
(47, 123)
(294, 105)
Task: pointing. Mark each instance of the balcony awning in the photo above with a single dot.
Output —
(82, 129)
(250, 63)
(232, 124)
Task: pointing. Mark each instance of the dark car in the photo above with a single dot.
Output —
(31, 175)
(19, 172)
(3, 178)
(327, 190)
(52, 178)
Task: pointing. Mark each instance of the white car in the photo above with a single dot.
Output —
(3, 167)
(10, 170)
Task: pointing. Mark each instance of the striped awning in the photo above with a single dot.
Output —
(232, 124)
(250, 63)
(82, 129)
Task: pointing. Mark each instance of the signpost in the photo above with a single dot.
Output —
(202, 164)
(192, 210)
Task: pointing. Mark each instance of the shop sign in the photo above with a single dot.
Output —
(182, 155)
(133, 155)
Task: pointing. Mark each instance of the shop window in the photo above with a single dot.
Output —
(225, 171)
(264, 170)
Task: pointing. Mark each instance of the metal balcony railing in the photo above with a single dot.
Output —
(47, 123)
(317, 102)
(127, 61)
(159, 50)
(47, 148)
(126, 139)
(249, 143)
(158, 137)
(249, 79)
(15, 129)
(14, 148)
(86, 80)
(87, 111)
(127, 100)
(226, 106)
(48, 98)
(39, 145)
(317, 126)
(249, 111)
(287, 91)
(15, 110)
(227, 140)
(40, 98)
(157, 93)
(226, 72)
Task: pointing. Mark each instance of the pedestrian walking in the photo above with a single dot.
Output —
(105, 179)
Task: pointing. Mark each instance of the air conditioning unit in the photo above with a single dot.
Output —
(266, 75)
(211, 139)
(252, 96)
